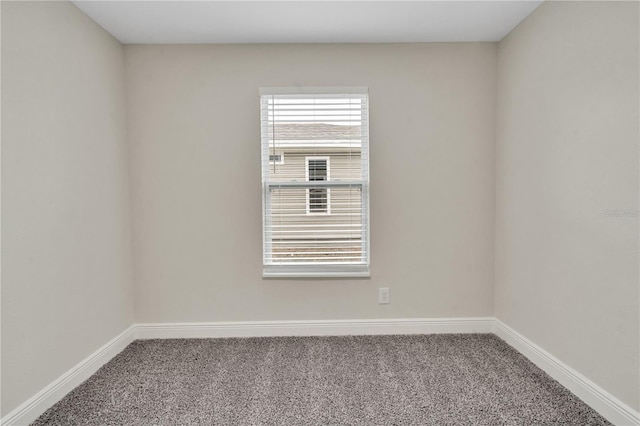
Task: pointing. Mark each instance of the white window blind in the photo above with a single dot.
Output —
(316, 203)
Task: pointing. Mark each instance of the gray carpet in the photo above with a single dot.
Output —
(371, 380)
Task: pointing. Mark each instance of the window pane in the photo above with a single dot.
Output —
(317, 170)
(297, 237)
(318, 200)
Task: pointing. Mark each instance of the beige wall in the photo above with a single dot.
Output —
(567, 154)
(195, 143)
(66, 254)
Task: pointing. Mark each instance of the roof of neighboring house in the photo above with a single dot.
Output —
(316, 134)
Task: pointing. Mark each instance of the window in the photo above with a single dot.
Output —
(277, 158)
(316, 204)
(318, 198)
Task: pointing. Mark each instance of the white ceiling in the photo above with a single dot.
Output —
(238, 21)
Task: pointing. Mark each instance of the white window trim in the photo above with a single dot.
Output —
(320, 271)
(327, 271)
(306, 169)
(313, 90)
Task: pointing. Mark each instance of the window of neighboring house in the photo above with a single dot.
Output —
(316, 204)
(318, 201)
(277, 158)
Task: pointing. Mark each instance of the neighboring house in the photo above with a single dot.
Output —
(316, 223)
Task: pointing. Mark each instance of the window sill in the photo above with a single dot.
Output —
(327, 271)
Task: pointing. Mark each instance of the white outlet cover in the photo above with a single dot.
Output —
(383, 295)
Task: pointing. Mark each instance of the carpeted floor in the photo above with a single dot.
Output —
(366, 380)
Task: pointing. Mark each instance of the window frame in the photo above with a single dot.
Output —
(319, 270)
(327, 159)
(277, 163)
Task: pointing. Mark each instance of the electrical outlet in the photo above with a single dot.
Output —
(383, 296)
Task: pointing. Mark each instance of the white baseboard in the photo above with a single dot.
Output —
(54, 392)
(593, 395)
(314, 328)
